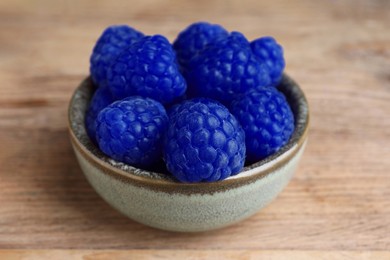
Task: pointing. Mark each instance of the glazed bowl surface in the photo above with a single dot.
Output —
(156, 199)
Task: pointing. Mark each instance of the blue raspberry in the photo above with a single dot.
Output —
(204, 142)
(113, 40)
(238, 38)
(147, 68)
(100, 100)
(267, 120)
(271, 53)
(131, 131)
(226, 69)
(195, 38)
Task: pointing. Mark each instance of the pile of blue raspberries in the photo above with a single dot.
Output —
(204, 105)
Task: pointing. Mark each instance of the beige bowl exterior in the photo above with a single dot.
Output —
(156, 200)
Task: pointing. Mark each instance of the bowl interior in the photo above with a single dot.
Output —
(79, 104)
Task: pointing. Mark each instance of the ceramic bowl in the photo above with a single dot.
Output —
(157, 200)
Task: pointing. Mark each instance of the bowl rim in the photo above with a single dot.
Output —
(159, 181)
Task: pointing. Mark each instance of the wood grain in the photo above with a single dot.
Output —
(339, 51)
(188, 254)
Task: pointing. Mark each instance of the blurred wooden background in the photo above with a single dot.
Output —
(338, 204)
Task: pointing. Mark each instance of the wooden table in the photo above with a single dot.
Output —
(337, 205)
